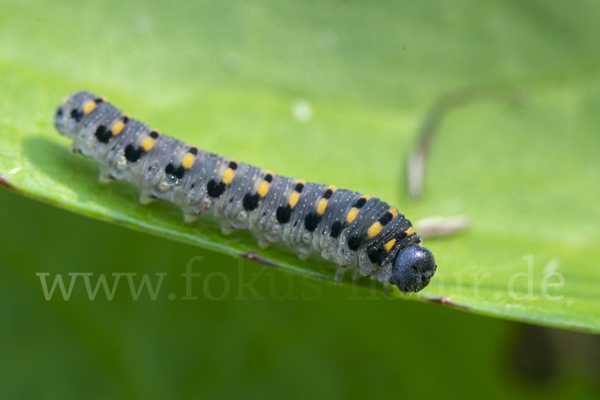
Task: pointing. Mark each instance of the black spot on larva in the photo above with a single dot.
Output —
(327, 194)
(354, 243)
(359, 203)
(98, 100)
(102, 134)
(299, 187)
(171, 170)
(215, 189)
(386, 218)
(179, 172)
(269, 178)
(193, 150)
(132, 154)
(336, 229)
(250, 202)
(400, 235)
(125, 119)
(373, 254)
(193, 186)
(311, 221)
(59, 112)
(76, 115)
(153, 134)
(284, 214)
(233, 165)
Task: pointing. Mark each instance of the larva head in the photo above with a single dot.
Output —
(413, 268)
(70, 112)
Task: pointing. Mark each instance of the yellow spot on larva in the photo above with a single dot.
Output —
(374, 229)
(147, 143)
(410, 231)
(366, 197)
(89, 107)
(388, 246)
(332, 188)
(294, 199)
(188, 160)
(321, 206)
(301, 181)
(263, 189)
(352, 215)
(117, 128)
(104, 99)
(228, 176)
(393, 211)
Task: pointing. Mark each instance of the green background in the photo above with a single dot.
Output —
(225, 76)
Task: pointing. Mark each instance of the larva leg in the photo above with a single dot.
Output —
(386, 289)
(226, 229)
(303, 256)
(74, 149)
(146, 199)
(339, 274)
(263, 244)
(188, 218)
(104, 178)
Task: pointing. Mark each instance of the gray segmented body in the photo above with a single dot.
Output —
(356, 231)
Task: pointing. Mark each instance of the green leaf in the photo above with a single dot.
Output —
(228, 77)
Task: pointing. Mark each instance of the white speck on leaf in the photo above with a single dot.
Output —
(302, 111)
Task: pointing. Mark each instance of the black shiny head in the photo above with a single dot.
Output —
(413, 268)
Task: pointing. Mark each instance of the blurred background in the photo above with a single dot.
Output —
(282, 337)
(321, 90)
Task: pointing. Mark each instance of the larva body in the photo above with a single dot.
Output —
(356, 231)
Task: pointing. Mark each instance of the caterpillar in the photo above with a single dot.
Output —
(357, 231)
